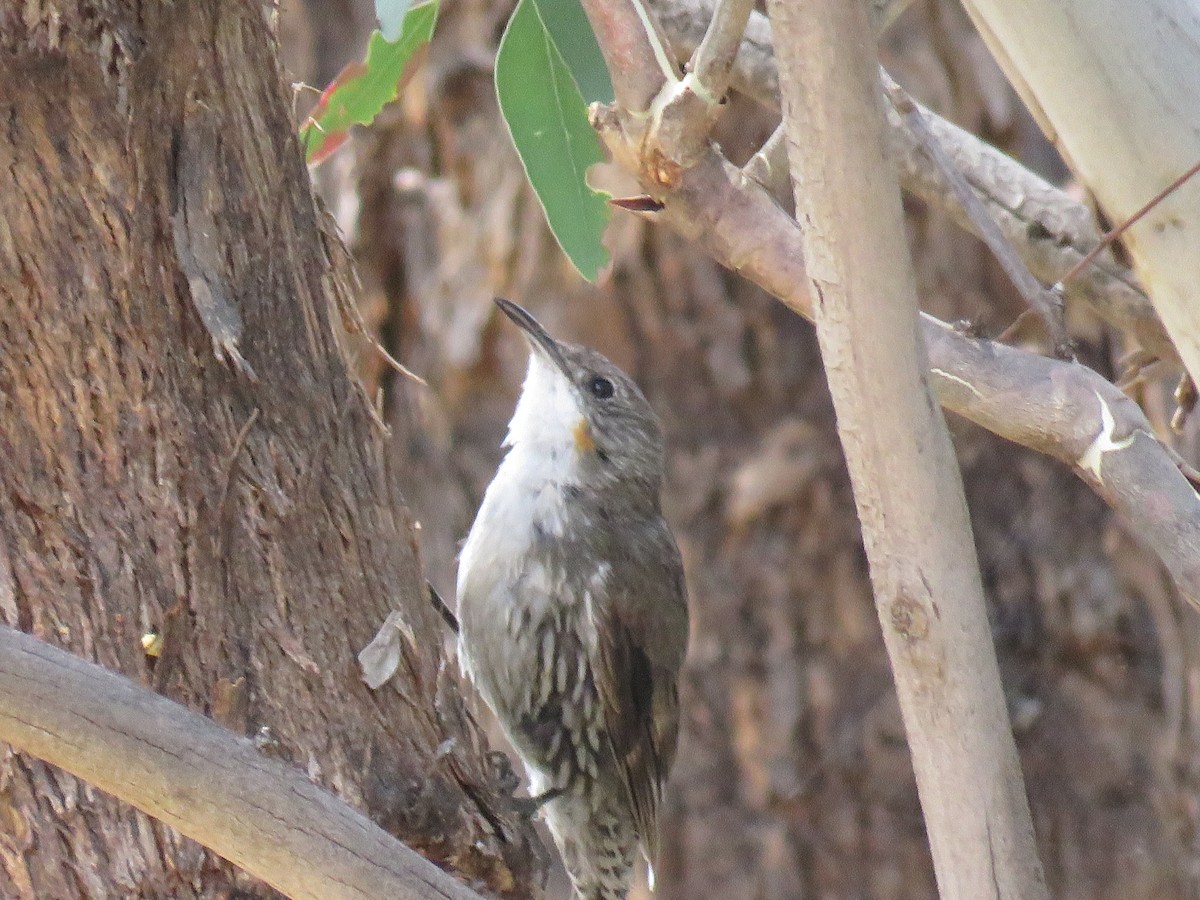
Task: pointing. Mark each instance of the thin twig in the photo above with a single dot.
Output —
(1186, 397)
(1111, 236)
(443, 610)
(658, 43)
(1014, 329)
(1139, 375)
(1048, 304)
(355, 324)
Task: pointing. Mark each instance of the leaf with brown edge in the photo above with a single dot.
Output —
(362, 89)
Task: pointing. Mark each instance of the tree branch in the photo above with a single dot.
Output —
(769, 168)
(1070, 412)
(1077, 94)
(1049, 229)
(927, 587)
(713, 60)
(1047, 405)
(202, 780)
(1039, 298)
(638, 61)
(694, 106)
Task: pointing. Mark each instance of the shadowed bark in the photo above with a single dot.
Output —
(186, 453)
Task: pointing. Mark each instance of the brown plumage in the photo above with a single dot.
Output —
(573, 608)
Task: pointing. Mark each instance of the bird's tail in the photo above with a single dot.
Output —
(597, 846)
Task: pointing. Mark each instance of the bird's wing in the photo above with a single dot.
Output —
(641, 640)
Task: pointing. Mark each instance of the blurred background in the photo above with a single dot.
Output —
(793, 778)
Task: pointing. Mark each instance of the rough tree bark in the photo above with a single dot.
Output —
(259, 813)
(185, 451)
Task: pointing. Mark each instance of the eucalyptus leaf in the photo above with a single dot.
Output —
(362, 89)
(548, 120)
(572, 33)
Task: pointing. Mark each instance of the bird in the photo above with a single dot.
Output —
(572, 608)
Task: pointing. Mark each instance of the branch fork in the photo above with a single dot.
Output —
(1041, 403)
(672, 135)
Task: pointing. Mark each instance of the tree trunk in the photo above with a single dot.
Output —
(907, 484)
(186, 453)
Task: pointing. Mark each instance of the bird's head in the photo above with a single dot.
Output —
(579, 411)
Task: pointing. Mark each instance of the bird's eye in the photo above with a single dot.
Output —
(600, 387)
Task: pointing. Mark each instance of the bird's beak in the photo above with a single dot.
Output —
(539, 339)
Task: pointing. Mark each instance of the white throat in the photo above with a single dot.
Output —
(543, 433)
(526, 497)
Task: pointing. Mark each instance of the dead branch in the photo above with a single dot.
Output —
(1051, 230)
(214, 787)
(716, 205)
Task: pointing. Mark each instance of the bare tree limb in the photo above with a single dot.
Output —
(1080, 91)
(1051, 230)
(200, 779)
(1071, 413)
(927, 587)
(637, 59)
(713, 60)
(702, 91)
(1039, 298)
(1047, 405)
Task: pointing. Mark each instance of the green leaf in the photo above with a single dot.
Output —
(390, 14)
(548, 121)
(572, 34)
(362, 89)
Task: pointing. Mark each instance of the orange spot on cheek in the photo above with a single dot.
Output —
(584, 442)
